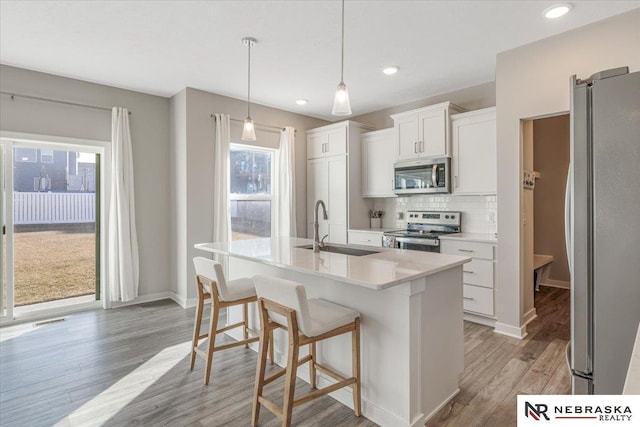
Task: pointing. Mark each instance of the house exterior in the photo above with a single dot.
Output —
(41, 169)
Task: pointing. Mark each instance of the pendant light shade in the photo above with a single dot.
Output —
(249, 130)
(341, 104)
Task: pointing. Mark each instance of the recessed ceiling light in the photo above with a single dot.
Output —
(301, 101)
(557, 10)
(390, 70)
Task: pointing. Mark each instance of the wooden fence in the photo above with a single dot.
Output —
(53, 208)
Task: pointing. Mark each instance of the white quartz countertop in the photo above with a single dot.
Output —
(471, 237)
(632, 383)
(386, 268)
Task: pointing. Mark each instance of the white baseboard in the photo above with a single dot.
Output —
(475, 318)
(557, 284)
(183, 302)
(442, 405)
(510, 330)
(156, 296)
(529, 316)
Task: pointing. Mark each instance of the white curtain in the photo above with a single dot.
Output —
(285, 192)
(221, 216)
(122, 246)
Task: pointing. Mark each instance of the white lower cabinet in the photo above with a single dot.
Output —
(366, 238)
(478, 275)
(478, 299)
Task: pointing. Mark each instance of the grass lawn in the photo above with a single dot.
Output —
(54, 264)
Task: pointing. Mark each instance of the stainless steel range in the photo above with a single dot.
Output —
(423, 232)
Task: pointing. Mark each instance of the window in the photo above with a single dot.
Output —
(24, 154)
(46, 155)
(250, 178)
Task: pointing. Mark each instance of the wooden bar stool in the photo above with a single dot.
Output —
(284, 304)
(212, 284)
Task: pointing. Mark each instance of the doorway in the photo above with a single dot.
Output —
(51, 227)
(546, 159)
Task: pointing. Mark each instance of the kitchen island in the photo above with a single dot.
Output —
(411, 319)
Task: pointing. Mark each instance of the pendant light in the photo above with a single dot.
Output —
(341, 105)
(249, 130)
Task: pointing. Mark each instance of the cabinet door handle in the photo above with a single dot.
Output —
(422, 144)
(455, 181)
(469, 298)
(466, 250)
(469, 271)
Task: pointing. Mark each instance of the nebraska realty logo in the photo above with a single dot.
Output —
(578, 410)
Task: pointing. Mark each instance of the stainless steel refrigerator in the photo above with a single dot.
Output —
(603, 228)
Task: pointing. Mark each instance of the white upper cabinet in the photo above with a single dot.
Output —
(329, 143)
(474, 152)
(378, 156)
(424, 132)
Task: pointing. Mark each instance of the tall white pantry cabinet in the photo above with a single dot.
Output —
(334, 176)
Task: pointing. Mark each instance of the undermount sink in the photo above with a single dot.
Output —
(345, 250)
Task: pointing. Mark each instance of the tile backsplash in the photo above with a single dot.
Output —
(479, 213)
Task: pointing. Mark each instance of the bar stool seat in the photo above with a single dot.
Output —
(240, 289)
(213, 285)
(326, 316)
(284, 304)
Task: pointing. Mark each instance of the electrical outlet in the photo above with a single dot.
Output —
(400, 215)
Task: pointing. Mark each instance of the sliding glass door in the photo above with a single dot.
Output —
(51, 223)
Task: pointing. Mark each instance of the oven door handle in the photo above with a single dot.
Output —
(418, 241)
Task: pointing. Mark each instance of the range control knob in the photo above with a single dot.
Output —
(447, 217)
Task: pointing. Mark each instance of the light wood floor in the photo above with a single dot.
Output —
(129, 366)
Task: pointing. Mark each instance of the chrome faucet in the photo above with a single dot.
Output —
(316, 237)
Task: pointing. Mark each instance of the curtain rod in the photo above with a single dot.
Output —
(57, 101)
(265, 127)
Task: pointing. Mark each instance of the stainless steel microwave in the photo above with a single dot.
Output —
(422, 176)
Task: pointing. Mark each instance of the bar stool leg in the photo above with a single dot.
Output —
(265, 332)
(213, 328)
(245, 319)
(312, 365)
(196, 331)
(271, 359)
(290, 381)
(355, 367)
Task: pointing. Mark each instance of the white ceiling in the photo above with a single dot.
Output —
(161, 47)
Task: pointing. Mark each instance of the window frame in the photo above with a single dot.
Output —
(40, 150)
(255, 197)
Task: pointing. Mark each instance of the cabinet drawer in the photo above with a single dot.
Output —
(479, 272)
(365, 238)
(478, 300)
(470, 249)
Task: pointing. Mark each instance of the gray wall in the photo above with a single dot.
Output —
(192, 164)
(532, 81)
(471, 98)
(149, 133)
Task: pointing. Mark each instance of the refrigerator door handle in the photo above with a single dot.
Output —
(567, 217)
